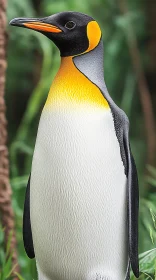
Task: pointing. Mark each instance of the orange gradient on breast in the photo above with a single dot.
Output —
(70, 86)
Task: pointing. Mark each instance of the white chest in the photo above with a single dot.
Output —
(78, 196)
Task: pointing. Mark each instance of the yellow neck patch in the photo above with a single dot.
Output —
(71, 87)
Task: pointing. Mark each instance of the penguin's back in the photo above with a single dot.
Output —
(78, 196)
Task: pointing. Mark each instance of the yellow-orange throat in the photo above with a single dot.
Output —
(70, 86)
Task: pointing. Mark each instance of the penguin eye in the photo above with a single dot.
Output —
(70, 25)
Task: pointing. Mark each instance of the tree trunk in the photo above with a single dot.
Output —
(6, 210)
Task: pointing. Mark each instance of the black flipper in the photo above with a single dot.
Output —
(133, 203)
(27, 234)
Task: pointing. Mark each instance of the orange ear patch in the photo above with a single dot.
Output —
(42, 27)
(93, 34)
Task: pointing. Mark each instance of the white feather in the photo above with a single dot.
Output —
(78, 196)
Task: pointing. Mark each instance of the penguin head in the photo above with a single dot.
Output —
(72, 32)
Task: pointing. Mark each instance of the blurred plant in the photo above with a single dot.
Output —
(147, 265)
(6, 269)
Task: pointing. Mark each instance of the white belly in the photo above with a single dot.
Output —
(78, 197)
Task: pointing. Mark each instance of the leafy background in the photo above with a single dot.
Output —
(32, 64)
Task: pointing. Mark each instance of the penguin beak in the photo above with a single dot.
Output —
(36, 24)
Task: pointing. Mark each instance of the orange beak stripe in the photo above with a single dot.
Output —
(42, 27)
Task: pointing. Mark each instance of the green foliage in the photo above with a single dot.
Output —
(6, 268)
(147, 265)
(32, 64)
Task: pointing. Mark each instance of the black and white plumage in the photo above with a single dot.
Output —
(81, 207)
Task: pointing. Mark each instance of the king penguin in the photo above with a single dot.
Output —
(81, 206)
